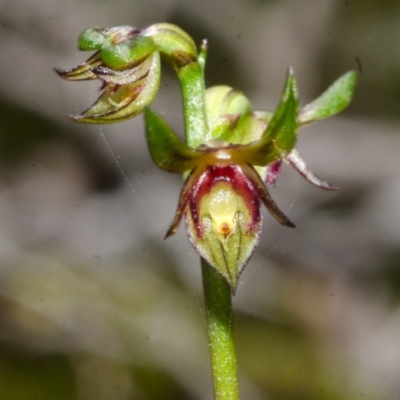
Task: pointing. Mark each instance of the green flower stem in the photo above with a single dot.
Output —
(191, 79)
(217, 293)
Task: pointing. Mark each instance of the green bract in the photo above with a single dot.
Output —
(231, 151)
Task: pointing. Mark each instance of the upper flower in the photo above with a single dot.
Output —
(127, 61)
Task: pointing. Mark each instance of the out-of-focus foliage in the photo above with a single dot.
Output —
(370, 30)
(317, 311)
(25, 375)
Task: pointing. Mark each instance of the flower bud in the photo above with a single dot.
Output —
(127, 63)
(230, 116)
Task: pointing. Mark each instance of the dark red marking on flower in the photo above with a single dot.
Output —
(273, 171)
(233, 175)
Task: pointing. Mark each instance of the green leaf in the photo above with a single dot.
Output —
(26, 375)
(332, 101)
(167, 150)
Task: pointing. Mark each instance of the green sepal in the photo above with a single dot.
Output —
(332, 101)
(280, 136)
(91, 39)
(166, 148)
(282, 129)
(128, 53)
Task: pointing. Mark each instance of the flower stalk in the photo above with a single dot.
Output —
(218, 300)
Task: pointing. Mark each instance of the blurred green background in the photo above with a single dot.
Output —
(94, 305)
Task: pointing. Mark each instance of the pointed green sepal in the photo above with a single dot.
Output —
(166, 148)
(332, 101)
(280, 136)
(282, 129)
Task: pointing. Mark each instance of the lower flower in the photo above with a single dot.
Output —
(221, 203)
